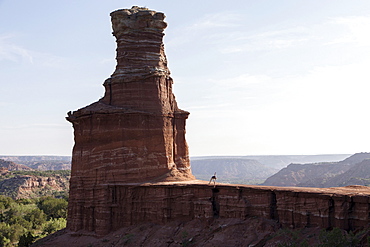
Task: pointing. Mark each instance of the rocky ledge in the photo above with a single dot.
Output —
(196, 213)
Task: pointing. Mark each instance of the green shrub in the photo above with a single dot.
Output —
(338, 238)
(54, 225)
(53, 207)
(26, 220)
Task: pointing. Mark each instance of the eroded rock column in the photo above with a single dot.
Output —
(136, 132)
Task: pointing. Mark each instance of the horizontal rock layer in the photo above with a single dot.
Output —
(118, 205)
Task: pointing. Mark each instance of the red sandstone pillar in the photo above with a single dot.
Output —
(136, 132)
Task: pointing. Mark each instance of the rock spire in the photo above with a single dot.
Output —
(136, 132)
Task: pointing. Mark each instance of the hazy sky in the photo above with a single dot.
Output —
(258, 77)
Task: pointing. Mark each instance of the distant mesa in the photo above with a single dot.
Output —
(232, 170)
(350, 171)
(39, 162)
(20, 181)
(12, 166)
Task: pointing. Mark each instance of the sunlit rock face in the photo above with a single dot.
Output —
(136, 132)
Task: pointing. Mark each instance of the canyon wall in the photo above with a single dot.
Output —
(121, 205)
(20, 186)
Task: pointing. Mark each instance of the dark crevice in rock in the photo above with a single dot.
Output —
(308, 222)
(215, 203)
(351, 209)
(273, 207)
(331, 217)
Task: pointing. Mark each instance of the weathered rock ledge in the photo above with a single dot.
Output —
(122, 205)
(198, 214)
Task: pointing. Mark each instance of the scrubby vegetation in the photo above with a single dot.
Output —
(23, 221)
(325, 238)
(51, 173)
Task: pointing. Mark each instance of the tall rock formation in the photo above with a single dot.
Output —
(136, 132)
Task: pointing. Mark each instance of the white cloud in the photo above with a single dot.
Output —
(357, 27)
(36, 126)
(267, 40)
(216, 20)
(240, 81)
(296, 89)
(10, 51)
(230, 38)
(338, 83)
(324, 110)
(245, 91)
(209, 27)
(329, 104)
(332, 31)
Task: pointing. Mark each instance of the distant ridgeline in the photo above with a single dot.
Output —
(354, 170)
(252, 169)
(40, 162)
(302, 170)
(22, 176)
(20, 181)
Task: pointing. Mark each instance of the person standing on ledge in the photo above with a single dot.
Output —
(213, 178)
